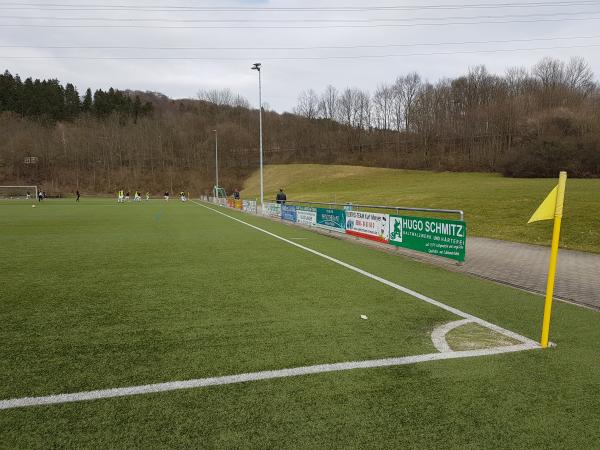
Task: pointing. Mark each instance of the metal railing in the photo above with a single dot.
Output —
(460, 212)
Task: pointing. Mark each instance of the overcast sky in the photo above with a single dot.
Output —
(27, 27)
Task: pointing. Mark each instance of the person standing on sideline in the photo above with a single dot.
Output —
(147, 196)
(77, 194)
(281, 197)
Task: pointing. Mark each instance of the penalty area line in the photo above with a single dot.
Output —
(456, 311)
(253, 376)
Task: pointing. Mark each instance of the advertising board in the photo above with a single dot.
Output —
(368, 225)
(440, 237)
(331, 219)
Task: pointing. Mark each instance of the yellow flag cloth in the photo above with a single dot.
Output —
(547, 209)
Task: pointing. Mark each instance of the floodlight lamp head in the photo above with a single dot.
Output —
(256, 66)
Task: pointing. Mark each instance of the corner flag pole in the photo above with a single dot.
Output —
(558, 212)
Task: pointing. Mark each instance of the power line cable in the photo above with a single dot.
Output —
(266, 27)
(113, 19)
(323, 47)
(291, 58)
(120, 7)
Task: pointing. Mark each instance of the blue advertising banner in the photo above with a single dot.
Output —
(288, 212)
(331, 219)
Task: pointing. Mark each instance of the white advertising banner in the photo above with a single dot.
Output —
(306, 216)
(368, 225)
(249, 206)
(272, 210)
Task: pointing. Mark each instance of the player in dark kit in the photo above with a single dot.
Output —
(78, 195)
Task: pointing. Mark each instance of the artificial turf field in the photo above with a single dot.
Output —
(97, 295)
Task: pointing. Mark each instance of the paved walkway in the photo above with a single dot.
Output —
(526, 266)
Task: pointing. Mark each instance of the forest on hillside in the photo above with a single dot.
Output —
(525, 123)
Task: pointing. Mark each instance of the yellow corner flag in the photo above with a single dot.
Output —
(546, 210)
(551, 208)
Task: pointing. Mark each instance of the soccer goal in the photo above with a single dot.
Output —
(18, 192)
(219, 192)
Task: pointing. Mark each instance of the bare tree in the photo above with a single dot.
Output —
(579, 76)
(308, 104)
(328, 103)
(363, 107)
(223, 97)
(383, 107)
(550, 72)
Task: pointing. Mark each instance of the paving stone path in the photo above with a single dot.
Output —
(526, 266)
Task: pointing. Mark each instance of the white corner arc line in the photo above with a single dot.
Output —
(391, 284)
(253, 376)
(438, 335)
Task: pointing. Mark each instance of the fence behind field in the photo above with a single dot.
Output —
(392, 225)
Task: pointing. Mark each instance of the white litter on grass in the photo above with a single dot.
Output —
(362, 316)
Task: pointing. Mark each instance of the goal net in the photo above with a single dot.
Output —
(18, 192)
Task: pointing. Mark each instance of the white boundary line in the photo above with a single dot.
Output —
(438, 336)
(254, 376)
(406, 290)
(526, 344)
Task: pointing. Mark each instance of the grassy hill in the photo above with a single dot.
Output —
(494, 206)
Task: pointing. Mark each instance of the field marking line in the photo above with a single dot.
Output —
(252, 376)
(438, 335)
(458, 312)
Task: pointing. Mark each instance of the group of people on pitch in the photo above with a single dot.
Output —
(123, 196)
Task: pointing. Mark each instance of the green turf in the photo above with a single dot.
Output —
(100, 295)
(494, 206)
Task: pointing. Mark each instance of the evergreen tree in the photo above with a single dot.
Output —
(88, 101)
(137, 108)
(72, 102)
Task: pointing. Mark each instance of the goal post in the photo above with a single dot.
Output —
(18, 192)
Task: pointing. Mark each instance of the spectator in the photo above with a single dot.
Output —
(281, 198)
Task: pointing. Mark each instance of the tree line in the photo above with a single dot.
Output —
(523, 123)
(49, 101)
(526, 122)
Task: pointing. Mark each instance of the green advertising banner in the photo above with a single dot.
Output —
(332, 219)
(440, 237)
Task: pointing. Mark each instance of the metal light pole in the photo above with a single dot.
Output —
(256, 67)
(216, 158)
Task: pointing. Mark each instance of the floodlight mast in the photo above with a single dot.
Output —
(257, 67)
(216, 157)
